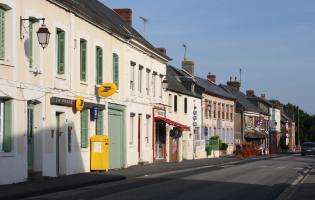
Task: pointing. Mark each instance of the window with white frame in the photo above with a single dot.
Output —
(170, 102)
(132, 75)
(161, 87)
(132, 124)
(154, 83)
(140, 79)
(147, 84)
(148, 129)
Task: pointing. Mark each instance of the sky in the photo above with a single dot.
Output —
(272, 41)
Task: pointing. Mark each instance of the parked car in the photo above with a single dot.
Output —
(308, 148)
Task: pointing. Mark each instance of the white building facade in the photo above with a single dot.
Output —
(41, 131)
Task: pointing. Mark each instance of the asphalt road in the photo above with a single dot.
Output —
(263, 179)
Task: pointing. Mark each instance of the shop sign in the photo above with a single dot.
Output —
(159, 113)
(62, 101)
(107, 89)
(73, 103)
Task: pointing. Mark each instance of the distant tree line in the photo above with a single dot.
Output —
(306, 122)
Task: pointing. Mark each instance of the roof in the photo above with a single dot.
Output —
(100, 15)
(255, 100)
(180, 82)
(213, 89)
(242, 103)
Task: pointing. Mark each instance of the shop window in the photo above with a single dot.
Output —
(60, 51)
(99, 123)
(116, 69)
(85, 128)
(99, 65)
(5, 125)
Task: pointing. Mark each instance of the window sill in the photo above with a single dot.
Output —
(7, 154)
(61, 77)
(35, 70)
(83, 83)
(6, 63)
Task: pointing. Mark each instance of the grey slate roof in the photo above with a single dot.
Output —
(255, 100)
(213, 89)
(105, 18)
(242, 103)
(180, 82)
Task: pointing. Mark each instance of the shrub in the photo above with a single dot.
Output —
(223, 146)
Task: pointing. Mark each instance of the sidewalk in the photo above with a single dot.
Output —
(49, 185)
(306, 191)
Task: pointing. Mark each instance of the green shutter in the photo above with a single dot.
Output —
(116, 69)
(99, 65)
(2, 34)
(84, 128)
(99, 123)
(7, 143)
(83, 60)
(30, 38)
(61, 51)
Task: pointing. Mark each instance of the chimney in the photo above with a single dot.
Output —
(188, 66)
(250, 93)
(234, 84)
(162, 50)
(211, 77)
(263, 96)
(125, 14)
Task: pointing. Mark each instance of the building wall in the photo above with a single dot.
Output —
(215, 123)
(21, 83)
(189, 148)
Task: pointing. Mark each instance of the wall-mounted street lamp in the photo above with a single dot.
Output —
(43, 33)
(165, 84)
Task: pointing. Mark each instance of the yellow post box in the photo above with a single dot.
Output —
(99, 153)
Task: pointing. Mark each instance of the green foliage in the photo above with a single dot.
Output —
(223, 146)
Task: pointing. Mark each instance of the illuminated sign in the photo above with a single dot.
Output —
(107, 89)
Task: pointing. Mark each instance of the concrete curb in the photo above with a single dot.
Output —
(52, 187)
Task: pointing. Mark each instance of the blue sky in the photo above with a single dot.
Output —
(272, 41)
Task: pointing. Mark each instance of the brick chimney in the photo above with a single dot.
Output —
(250, 93)
(125, 14)
(235, 84)
(188, 66)
(162, 50)
(211, 77)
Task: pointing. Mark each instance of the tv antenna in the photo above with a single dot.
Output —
(145, 21)
(185, 50)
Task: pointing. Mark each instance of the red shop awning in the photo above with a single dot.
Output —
(181, 127)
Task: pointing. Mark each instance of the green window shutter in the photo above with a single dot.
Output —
(7, 136)
(99, 123)
(2, 34)
(99, 65)
(30, 38)
(84, 128)
(116, 69)
(83, 60)
(61, 51)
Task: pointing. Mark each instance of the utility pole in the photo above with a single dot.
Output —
(298, 127)
(185, 50)
(145, 21)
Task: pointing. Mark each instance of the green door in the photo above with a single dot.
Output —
(30, 137)
(116, 135)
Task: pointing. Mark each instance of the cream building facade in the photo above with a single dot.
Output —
(41, 132)
(217, 113)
